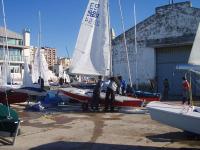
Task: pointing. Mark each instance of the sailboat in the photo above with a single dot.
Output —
(19, 93)
(9, 119)
(39, 69)
(184, 117)
(8, 95)
(92, 54)
(40, 65)
(11, 95)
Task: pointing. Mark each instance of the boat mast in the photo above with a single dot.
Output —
(125, 44)
(6, 54)
(39, 44)
(110, 41)
(67, 52)
(136, 64)
(5, 49)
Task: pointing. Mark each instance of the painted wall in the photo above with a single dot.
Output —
(170, 25)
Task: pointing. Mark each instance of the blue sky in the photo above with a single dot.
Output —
(61, 18)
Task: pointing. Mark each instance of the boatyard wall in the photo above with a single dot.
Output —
(173, 25)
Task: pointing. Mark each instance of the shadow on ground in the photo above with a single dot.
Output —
(182, 137)
(61, 145)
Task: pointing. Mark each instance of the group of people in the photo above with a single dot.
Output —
(116, 85)
(185, 90)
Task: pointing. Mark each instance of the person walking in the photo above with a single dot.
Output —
(165, 89)
(186, 90)
(110, 94)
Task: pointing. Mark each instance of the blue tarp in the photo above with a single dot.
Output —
(51, 99)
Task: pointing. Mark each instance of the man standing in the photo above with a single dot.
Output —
(96, 94)
(186, 90)
(110, 94)
(41, 82)
(165, 89)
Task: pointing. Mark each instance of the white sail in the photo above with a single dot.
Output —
(61, 72)
(45, 72)
(194, 61)
(27, 80)
(40, 68)
(35, 67)
(92, 51)
(195, 52)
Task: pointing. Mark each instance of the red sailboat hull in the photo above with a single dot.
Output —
(12, 97)
(120, 101)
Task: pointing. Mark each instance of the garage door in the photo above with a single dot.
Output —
(166, 60)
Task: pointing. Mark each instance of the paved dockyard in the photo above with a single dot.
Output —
(67, 128)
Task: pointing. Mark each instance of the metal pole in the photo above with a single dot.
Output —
(39, 45)
(6, 56)
(190, 89)
(110, 42)
(67, 52)
(5, 47)
(136, 64)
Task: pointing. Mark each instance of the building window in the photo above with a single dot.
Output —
(14, 54)
(15, 68)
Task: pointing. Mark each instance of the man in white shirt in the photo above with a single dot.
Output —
(110, 94)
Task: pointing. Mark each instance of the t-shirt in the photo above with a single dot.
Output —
(186, 85)
(123, 84)
(113, 85)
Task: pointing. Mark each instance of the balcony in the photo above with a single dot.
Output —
(13, 59)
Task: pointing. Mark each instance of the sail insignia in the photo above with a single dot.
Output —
(92, 51)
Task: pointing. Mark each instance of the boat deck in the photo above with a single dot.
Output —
(88, 92)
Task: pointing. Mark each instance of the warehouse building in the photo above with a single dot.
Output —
(163, 40)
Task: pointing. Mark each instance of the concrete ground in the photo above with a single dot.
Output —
(67, 128)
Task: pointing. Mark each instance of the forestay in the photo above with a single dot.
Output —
(92, 51)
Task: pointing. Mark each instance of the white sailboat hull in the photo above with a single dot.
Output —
(178, 116)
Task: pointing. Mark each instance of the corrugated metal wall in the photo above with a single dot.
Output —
(166, 60)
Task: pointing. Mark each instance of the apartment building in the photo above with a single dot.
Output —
(50, 55)
(17, 50)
